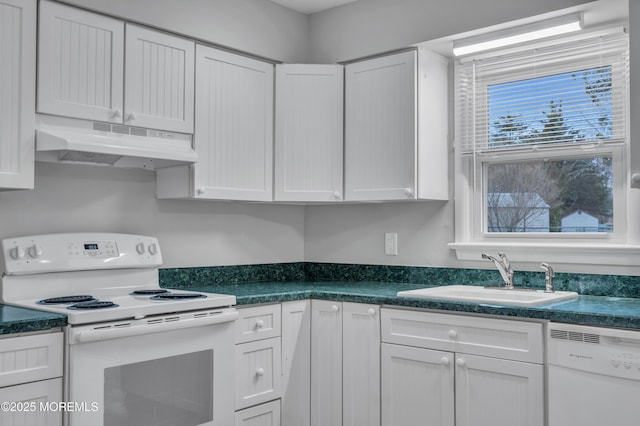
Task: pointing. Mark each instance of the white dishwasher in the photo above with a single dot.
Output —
(593, 376)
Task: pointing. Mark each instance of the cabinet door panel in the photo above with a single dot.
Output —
(17, 93)
(259, 374)
(80, 68)
(296, 363)
(33, 395)
(309, 129)
(326, 363)
(234, 125)
(417, 387)
(267, 414)
(361, 364)
(497, 392)
(159, 80)
(380, 128)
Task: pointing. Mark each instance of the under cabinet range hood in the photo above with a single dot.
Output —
(60, 139)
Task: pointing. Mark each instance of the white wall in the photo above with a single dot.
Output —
(69, 198)
(259, 27)
(368, 27)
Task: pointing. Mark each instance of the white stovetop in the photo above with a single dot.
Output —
(129, 306)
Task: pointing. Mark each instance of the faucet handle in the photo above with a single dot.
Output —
(505, 260)
(548, 269)
(548, 279)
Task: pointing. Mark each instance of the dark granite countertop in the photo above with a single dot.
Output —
(588, 310)
(20, 320)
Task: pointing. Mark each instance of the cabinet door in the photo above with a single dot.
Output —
(361, 364)
(80, 63)
(258, 372)
(497, 392)
(380, 128)
(34, 396)
(267, 414)
(326, 363)
(296, 363)
(17, 93)
(234, 126)
(309, 129)
(159, 80)
(417, 387)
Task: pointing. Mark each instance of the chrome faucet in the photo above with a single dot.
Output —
(548, 277)
(504, 267)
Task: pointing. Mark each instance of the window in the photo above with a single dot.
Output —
(541, 143)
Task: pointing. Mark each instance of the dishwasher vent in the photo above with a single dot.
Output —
(575, 336)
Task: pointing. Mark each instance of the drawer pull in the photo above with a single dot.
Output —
(453, 334)
(460, 362)
(371, 312)
(260, 324)
(260, 372)
(444, 360)
(334, 308)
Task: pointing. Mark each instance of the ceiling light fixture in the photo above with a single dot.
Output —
(521, 34)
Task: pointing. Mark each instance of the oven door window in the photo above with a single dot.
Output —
(166, 391)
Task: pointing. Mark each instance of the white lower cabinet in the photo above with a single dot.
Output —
(258, 384)
(457, 370)
(31, 379)
(296, 363)
(345, 364)
(417, 386)
(360, 364)
(326, 363)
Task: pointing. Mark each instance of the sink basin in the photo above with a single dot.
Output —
(497, 296)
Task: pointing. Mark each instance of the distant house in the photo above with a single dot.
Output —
(580, 221)
(517, 212)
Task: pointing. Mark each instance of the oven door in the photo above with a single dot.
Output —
(165, 370)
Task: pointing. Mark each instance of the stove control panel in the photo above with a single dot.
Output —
(96, 249)
(79, 251)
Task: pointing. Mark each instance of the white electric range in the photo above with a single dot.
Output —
(133, 349)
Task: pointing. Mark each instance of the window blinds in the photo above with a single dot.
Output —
(574, 92)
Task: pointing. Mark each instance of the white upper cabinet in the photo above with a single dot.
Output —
(80, 64)
(396, 128)
(82, 72)
(309, 132)
(159, 80)
(17, 93)
(233, 132)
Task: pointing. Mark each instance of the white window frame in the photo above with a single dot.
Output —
(472, 239)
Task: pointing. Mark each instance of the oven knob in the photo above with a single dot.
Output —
(35, 251)
(16, 253)
(153, 249)
(140, 248)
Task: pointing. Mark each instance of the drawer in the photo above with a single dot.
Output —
(30, 358)
(258, 322)
(267, 414)
(258, 372)
(498, 338)
(33, 398)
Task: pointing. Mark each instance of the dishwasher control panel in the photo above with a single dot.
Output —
(608, 351)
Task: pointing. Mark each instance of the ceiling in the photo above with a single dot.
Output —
(311, 6)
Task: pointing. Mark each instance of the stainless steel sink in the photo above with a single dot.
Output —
(490, 295)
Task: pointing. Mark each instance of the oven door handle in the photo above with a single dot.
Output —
(86, 335)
